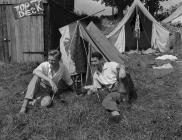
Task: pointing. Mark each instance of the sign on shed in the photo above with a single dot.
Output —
(31, 7)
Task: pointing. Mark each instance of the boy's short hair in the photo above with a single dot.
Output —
(55, 53)
(97, 55)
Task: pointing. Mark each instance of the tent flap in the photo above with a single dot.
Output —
(160, 38)
(104, 45)
(76, 52)
(156, 35)
(64, 47)
(120, 42)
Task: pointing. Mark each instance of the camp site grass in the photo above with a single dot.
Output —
(155, 115)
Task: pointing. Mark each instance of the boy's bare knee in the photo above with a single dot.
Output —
(46, 101)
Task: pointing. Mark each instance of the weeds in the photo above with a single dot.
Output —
(156, 115)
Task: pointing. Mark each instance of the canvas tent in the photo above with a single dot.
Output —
(177, 21)
(150, 32)
(75, 52)
(175, 18)
(103, 45)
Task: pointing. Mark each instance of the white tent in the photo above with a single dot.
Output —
(75, 52)
(175, 18)
(151, 33)
(177, 21)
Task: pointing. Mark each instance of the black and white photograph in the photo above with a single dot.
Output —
(90, 69)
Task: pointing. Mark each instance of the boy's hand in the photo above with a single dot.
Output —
(53, 85)
(91, 89)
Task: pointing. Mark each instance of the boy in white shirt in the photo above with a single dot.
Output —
(48, 76)
(111, 76)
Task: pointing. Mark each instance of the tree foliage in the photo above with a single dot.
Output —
(152, 5)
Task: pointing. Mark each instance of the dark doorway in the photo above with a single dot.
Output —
(144, 42)
(4, 41)
(59, 17)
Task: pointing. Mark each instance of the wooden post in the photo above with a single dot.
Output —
(137, 45)
(113, 3)
(81, 82)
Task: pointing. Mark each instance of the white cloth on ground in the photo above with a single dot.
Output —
(165, 66)
(167, 57)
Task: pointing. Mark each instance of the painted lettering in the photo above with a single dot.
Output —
(32, 1)
(28, 13)
(17, 8)
(27, 5)
(28, 8)
(22, 7)
(38, 7)
(21, 14)
(33, 10)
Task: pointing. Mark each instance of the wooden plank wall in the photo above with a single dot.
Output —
(1, 36)
(25, 34)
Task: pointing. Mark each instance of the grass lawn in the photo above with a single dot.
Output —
(156, 115)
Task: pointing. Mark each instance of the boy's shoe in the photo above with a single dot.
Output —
(23, 110)
(115, 117)
(24, 106)
(115, 113)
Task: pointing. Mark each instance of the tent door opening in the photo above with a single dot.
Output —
(145, 32)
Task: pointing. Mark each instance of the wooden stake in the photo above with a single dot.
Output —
(137, 45)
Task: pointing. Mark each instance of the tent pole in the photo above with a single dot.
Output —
(138, 30)
(81, 81)
(92, 14)
(113, 3)
(82, 19)
(88, 62)
(137, 45)
(88, 16)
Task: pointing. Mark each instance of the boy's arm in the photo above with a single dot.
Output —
(121, 73)
(95, 86)
(41, 75)
(39, 72)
